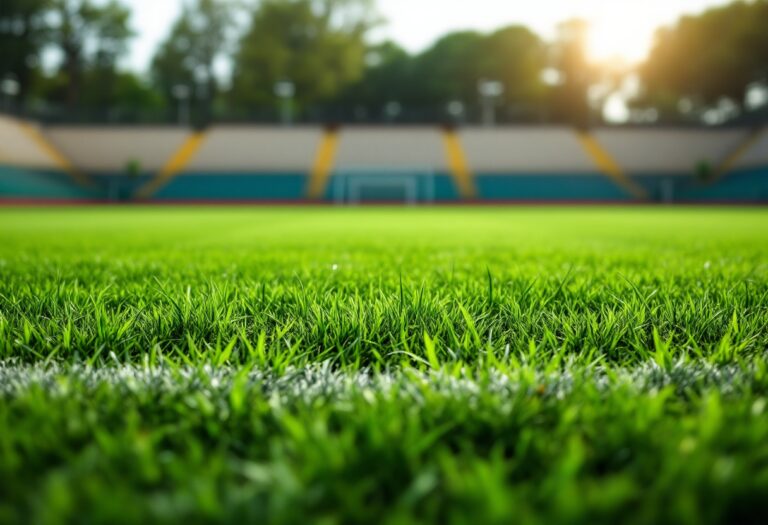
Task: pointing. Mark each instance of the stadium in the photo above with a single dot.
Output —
(282, 261)
(416, 164)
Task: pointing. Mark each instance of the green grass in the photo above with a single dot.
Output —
(493, 365)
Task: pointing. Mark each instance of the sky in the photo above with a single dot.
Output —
(620, 28)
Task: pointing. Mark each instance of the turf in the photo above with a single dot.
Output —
(289, 365)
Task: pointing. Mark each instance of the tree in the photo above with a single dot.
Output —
(318, 45)
(449, 69)
(516, 57)
(706, 58)
(387, 78)
(80, 26)
(570, 102)
(199, 37)
(23, 33)
(110, 39)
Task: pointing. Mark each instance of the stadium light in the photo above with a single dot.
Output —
(181, 94)
(490, 91)
(285, 90)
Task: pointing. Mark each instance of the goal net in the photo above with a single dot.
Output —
(410, 186)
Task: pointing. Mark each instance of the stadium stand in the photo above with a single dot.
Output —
(118, 159)
(668, 151)
(744, 175)
(679, 164)
(537, 164)
(757, 154)
(248, 163)
(386, 163)
(31, 168)
(109, 149)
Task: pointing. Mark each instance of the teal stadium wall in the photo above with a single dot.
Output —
(535, 164)
(27, 171)
(248, 163)
(275, 164)
(104, 154)
(666, 163)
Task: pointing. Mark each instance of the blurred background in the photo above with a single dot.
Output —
(676, 88)
(558, 61)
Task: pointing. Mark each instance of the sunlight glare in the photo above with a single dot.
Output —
(611, 41)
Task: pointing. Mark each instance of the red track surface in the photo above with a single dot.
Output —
(303, 203)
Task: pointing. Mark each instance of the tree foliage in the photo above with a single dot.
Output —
(324, 48)
(187, 57)
(89, 35)
(709, 57)
(570, 101)
(318, 45)
(23, 33)
(449, 72)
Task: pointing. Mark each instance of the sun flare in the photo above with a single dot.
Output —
(611, 41)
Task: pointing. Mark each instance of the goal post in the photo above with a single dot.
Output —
(410, 186)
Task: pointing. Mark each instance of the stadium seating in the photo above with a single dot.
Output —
(535, 164)
(678, 165)
(300, 164)
(247, 164)
(29, 169)
(119, 160)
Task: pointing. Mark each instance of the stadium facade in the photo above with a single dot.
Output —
(272, 164)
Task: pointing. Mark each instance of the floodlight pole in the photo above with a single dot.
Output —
(286, 111)
(455, 109)
(392, 110)
(10, 89)
(490, 91)
(489, 115)
(285, 91)
(182, 93)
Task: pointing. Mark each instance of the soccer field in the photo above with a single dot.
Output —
(383, 365)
